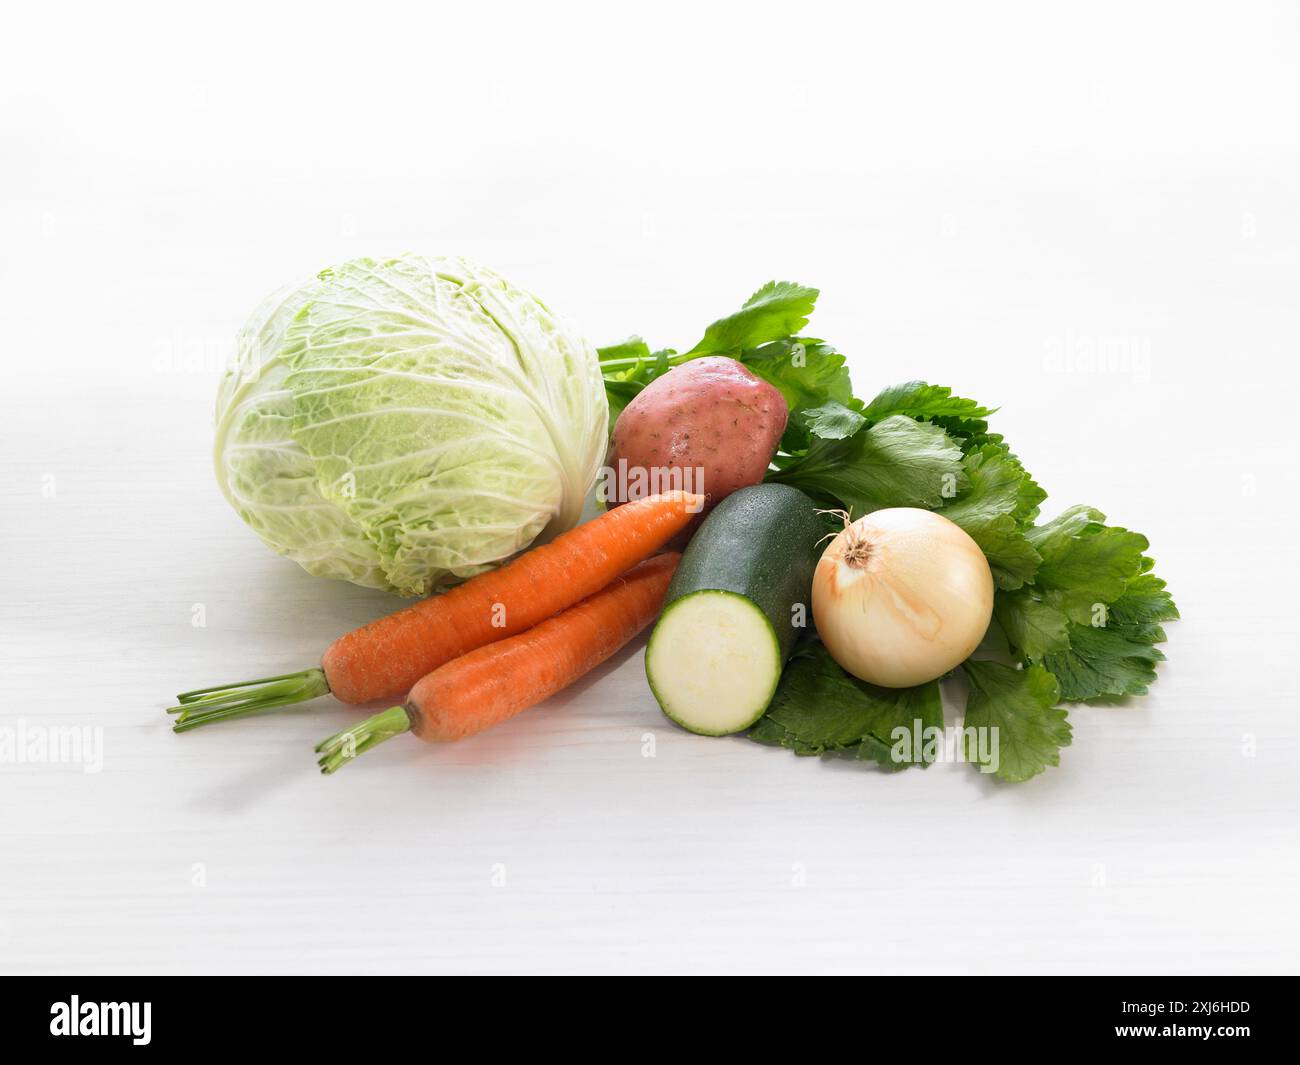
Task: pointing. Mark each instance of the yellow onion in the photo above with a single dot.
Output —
(901, 596)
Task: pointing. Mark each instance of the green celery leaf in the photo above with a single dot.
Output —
(1114, 657)
(772, 734)
(1144, 601)
(1054, 537)
(833, 421)
(1034, 628)
(778, 309)
(631, 348)
(1117, 656)
(1022, 705)
(1001, 495)
(917, 399)
(620, 394)
(808, 373)
(1000, 484)
(876, 750)
(1107, 661)
(896, 463)
(818, 708)
(627, 368)
(1086, 565)
(1011, 558)
(972, 434)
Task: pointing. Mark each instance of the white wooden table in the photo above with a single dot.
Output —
(978, 205)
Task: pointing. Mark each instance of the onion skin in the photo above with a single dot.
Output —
(902, 596)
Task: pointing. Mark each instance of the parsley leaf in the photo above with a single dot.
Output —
(1022, 705)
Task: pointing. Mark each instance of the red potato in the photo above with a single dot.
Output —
(712, 419)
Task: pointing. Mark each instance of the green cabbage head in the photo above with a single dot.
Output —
(406, 423)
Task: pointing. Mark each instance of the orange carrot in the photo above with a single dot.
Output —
(384, 658)
(493, 683)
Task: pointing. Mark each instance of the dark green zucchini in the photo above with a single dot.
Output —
(736, 605)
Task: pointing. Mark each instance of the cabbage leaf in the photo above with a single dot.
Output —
(404, 424)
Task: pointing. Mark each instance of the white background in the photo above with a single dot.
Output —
(975, 190)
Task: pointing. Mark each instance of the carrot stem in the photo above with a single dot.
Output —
(205, 705)
(342, 747)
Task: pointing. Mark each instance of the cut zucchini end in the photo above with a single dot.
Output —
(713, 662)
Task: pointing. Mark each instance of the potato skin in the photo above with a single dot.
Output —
(712, 414)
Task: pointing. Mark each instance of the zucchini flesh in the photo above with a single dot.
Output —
(713, 659)
(733, 610)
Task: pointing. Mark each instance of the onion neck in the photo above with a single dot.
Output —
(857, 550)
